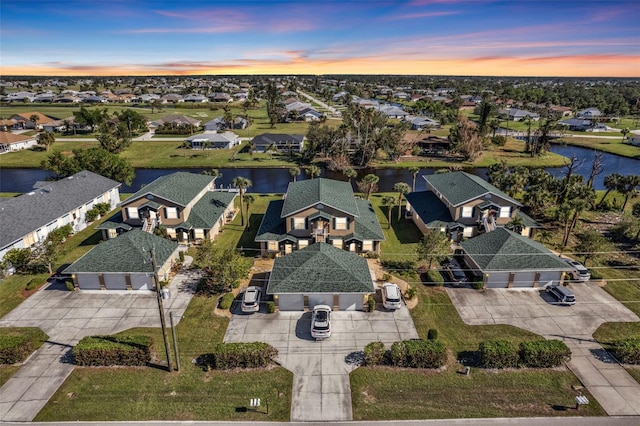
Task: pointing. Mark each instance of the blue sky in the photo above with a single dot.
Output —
(530, 38)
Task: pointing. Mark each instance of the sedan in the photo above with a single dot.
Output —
(321, 322)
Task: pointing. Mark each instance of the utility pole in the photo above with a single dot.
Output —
(163, 321)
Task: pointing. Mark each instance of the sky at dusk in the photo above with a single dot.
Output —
(431, 37)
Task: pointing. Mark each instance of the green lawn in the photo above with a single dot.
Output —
(612, 146)
(33, 334)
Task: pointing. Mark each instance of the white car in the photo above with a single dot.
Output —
(321, 322)
(580, 272)
(251, 299)
(391, 296)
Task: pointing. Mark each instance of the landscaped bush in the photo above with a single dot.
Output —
(374, 353)
(544, 353)
(371, 304)
(418, 354)
(226, 301)
(113, 350)
(627, 350)
(596, 274)
(181, 256)
(498, 354)
(238, 355)
(432, 334)
(403, 267)
(410, 293)
(271, 307)
(435, 277)
(477, 283)
(16, 344)
(91, 215)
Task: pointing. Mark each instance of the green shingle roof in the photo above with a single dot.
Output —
(367, 226)
(206, 212)
(306, 193)
(129, 252)
(433, 212)
(320, 268)
(527, 220)
(179, 187)
(460, 187)
(114, 222)
(504, 250)
(272, 226)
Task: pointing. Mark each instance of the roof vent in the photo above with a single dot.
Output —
(31, 193)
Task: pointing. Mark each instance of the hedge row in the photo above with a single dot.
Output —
(16, 344)
(113, 350)
(226, 301)
(627, 350)
(536, 354)
(418, 354)
(435, 277)
(238, 355)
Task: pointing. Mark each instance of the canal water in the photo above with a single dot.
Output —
(277, 180)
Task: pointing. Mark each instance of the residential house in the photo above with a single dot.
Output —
(176, 120)
(10, 142)
(218, 124)
(309, 114)
(319, 210)
(214, 140)
(504, 259)
(24, 120)
(124, 263)
(464, 205)
(220, 97)
(589, 113)
(185, 204)
(634, 139)
(576, 124)
(422, 123)
(7, 124)
(29, 218)
(171, 98)
(196, 98)
(514, 114)
(281, 142)
(320, 274)
(56, 126)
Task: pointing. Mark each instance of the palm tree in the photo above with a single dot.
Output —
(624, 132)
(252, 148)
(47, 139)
(206, 145)
(516, 224)
(389, 201)
(185, 145)
(294, 172)
(271, 149)
(611, 182)
(35, 119)
(313, 170)
(241, 183)
(414, 172)
(544, 236)
(629, 188)
(635, 212)
(349, 173)
(370, 180)
(401, 188)
(248, 198)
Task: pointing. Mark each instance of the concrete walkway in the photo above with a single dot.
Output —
(67, 317)
(530, 309)
(321, 388)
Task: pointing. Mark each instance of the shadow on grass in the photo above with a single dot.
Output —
(93, 239)
(406, 231)
(246, 243)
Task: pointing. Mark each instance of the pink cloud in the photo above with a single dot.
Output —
(418, 15)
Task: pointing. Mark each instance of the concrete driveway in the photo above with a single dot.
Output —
(533, 310)
(321, 389)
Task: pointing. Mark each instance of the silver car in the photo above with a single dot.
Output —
(251, 299)
(391, 296)
(321, 322)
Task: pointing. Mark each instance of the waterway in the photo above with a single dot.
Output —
(277, 180)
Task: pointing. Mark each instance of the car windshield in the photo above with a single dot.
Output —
(458, 273)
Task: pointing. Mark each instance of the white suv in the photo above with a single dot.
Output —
(580, 272)
(251, 299)
(321, 322)
(391, 296)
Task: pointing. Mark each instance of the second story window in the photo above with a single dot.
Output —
(467, 212)
(505, 211)
(132, 212)
(299, 223)
(340, 223)
(171, 212)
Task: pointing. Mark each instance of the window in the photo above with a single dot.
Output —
(505, 211)
(272, 245)
(112, 233)
(198, 234)
(467, 212)
(302, 244)
(340, 223)
(132, 212)
(337, 242)
(171, 212)
(299, 223)
(367, 245)
(468, 231)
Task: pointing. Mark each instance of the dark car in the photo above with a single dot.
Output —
(453, 273)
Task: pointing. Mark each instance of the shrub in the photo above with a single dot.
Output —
(181, 256)
(404, 267)
(374, 353)
(432, 334)
(435, 277)
(371, 304)
(113, 350)
(271, 307)
(372, 255)
(102, 208)
(226, 356)
(596, 274)
(386, 277)
(398, 354)
(16, 344)
(418, 354)
(498, 354)
(544, 353)
(69, 285)
(91, 215)
(226, 301)
(477, 283)
(410, 293)
(32, 284)
(627, 350)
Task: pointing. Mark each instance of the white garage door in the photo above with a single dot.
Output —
(115, 282)
(320, 299)
(88, 282)
(524, 279)
(351, 302)
(141, 282)
(498, 280)
(291, 302)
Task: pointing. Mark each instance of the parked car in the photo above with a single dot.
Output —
(321, 322)
(453, 273)
(251, 299)
(580, 272)
(391, 296)
(561, 294)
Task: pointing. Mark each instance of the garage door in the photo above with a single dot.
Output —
(498, 280)
(115, 282)
(320, 299)
(88, 282)
(291, 302)
(351, 302)
(524, 279)
(141, 282)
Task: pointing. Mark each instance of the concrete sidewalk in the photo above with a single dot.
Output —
(68, 316)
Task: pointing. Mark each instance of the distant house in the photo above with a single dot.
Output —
(171, 98)
(504, 259)
(423, 123)
(589, 113)
(23, 120)
(29, 218)
(392, 111)
(55, 126)
(185, 204)
(281, 142)
(576, 124)
(176, 120)
(634, 139)
(514, 114)
(309, 114)
(319, 210)
(220, 97)
(464, 205)
(124, 263)
(196, 98)
(214, 140)
(218, 124)
(10, 142)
